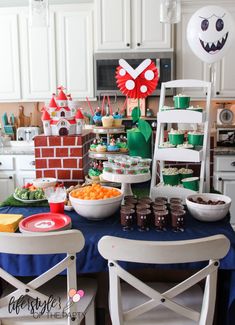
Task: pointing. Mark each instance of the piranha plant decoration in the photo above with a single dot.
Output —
(137, 83)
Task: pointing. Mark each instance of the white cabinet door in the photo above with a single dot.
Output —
(229, 190)
(75, 51)
(224, 71)
(7, 185)
(130, 25)
(38, 62)
(9, 56)
(188, 66)
(148, 32)
(113, 24)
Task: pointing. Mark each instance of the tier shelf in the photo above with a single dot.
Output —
(179, 154)
(123, 178)
(170, 191)
(110, 130)
(181, 116)
(104, 155)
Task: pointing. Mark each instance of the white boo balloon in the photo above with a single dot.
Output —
(210, 33)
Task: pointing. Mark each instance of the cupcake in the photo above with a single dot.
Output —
(117, 119)
(97, 118)
(101, 148)
(94, 145)
(107, 121)
(123, 146)
(112, 146)
(94, 174)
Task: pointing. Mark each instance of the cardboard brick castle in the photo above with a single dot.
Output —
(61, 116)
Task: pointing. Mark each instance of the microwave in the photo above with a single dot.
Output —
(105, 65)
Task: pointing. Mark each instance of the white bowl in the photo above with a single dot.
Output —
(96, 209)
(45, 182)
(208, 212)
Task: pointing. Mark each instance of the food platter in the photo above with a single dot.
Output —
(28, 201)
(45, 222)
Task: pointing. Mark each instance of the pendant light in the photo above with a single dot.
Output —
(170, 11)
(38, 13)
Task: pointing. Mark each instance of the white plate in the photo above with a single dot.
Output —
(27, 201)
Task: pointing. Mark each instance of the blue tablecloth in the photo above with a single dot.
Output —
(89, 260)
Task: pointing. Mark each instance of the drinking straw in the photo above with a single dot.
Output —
(124, 106)
(89, 104)
(102, 107)
(110, 107)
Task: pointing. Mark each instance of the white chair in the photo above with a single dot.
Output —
(48, 285)
(136, 302)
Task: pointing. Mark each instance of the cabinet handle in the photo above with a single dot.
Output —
(32, 163)
(220, 179)
(127, 44)
(217, 93)
(10, 177)
(0, 163)
(233, 163)
(138, 44)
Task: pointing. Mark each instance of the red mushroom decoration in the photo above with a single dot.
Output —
(139, 82)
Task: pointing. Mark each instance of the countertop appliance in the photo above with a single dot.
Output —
(105, 65)
(225, 136)
(27, 133)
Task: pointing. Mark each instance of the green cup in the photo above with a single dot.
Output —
(191, 183)
(181, 102)
(171, 179)
(195, 139)
(176, 139)
(182, 176)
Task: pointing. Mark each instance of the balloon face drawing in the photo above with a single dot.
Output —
(210, 33)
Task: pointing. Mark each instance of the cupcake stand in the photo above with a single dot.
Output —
(98, 130)
(200, 154)
(126, 180)
(107, 131)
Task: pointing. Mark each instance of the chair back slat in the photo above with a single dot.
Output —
(164, 252)
(67, 241)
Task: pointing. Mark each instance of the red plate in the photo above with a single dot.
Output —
(44, 222)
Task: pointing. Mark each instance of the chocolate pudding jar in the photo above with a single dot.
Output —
(143, 219)
(127, 218)
(178, 220)
(161, 220)
(161, 199)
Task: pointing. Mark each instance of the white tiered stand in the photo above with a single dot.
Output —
(180, 154)
(126, 180)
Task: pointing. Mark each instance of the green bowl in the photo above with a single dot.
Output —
(171, 179)
(182, 176)
(195, 139)
(191, 183)
(176, 139)
(181, 102)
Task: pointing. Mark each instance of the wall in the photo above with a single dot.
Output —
(152, 102)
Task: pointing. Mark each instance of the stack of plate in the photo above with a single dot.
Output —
(45, 222)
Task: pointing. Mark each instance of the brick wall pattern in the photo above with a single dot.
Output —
(63, 157)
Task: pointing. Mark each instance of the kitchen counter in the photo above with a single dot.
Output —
(18, 148)
(226, 151)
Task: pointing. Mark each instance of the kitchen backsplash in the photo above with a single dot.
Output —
(31, 110)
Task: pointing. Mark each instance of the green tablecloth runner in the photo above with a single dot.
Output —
(11, 201)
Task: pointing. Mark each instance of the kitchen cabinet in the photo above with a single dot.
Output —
(224, 74)
(130, 25)
(189, 66)
(25, 169)
(35, 60)
(38, 59)
(7, 185)
(9, 56)
(15, 170)
(75, 50)
(224, 179)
